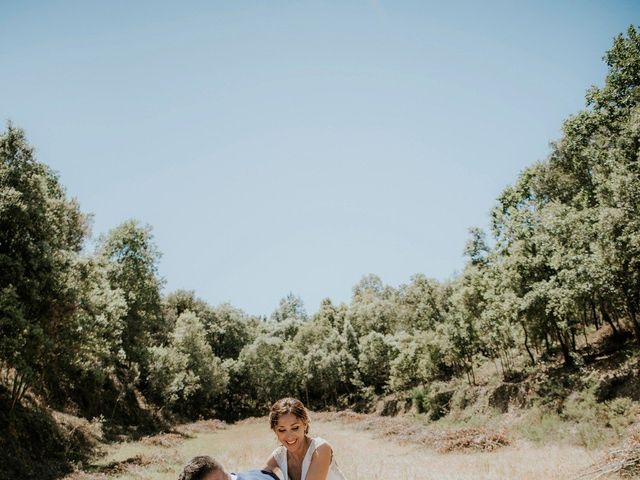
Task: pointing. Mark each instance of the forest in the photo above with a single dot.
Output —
(89, 331)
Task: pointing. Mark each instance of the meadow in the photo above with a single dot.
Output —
(362, 454)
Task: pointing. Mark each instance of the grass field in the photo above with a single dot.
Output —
(361, 454)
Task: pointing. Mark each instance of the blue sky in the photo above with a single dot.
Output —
(281, 147)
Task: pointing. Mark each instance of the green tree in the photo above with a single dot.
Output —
(373, 307)
(186, 374)
(350, 339)
(41, 236)
(175, 304)
(228, 328)
(171, 383)
(374, 363)
(312, 334)
(132, 260)
(419, 304)
(88, 345)
(568, 229)
(267, 369)
(291, 307)
(333, 314)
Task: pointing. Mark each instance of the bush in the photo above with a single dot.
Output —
(434, 403)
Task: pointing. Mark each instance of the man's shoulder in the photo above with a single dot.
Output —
(256, 475)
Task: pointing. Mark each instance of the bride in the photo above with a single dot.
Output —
(300, 457)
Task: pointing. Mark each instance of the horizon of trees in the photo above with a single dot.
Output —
(91, 331)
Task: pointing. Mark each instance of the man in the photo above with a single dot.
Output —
(204, 467)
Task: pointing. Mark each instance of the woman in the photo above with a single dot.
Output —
(299, 457)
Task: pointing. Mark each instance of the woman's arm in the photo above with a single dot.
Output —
(320, 463)
(271, 464)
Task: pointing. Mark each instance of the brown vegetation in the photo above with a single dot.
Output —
(472, 439)
(138, 463)
(410, 430)
(624, 461)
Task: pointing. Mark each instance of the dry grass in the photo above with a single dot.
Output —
(623, 461)
(472, 439)
(164, 440)
(366, 448)
(201, 426)
(367, 455)
(434, 436)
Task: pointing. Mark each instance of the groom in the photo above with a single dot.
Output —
(204, 467)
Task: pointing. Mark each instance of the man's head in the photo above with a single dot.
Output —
(203, 467)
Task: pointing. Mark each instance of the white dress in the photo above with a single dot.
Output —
(280, 456)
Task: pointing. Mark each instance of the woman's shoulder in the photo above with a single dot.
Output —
(279, 454)
(319, 441)
(324, 449)
(321, 444)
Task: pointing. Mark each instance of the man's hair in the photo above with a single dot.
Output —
(199, 467)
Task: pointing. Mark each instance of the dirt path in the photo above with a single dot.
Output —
(362, 455)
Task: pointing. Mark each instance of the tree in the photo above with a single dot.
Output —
(376, 354)
(334, 315)
(476, 247)
(132, 260)
(350, 339)
(186, 375)
(331, 369)
(419, 307)
(406, 370)
(331, 374)
(267, 369)
(312, 334)
(87, 347)
(41, 236)
(228, 328)
(291, 307)
(175, 304)
(373, 307)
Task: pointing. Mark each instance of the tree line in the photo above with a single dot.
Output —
(91, 330)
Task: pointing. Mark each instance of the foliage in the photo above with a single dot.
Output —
(132, 264)
(291, 308)
(377, 351)
(267, 369)
(185, 374)
(41, 236)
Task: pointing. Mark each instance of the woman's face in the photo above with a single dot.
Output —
(290, 431)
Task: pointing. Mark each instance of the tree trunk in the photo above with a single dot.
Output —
(584, 332)
(501, 363)
(568, 361)
(594, 315)
(526, 345)
(546, 342)
(471, 374)
(636, 324)
(607, 318)
(616, 319)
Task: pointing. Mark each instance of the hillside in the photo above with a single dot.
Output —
(549, 410)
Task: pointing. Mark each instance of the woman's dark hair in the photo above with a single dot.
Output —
(289, 405)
